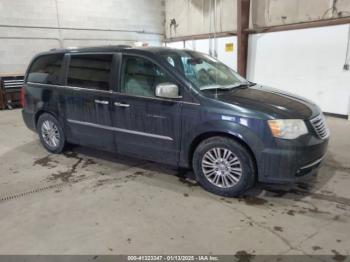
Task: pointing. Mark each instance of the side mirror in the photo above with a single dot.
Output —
(167, 90)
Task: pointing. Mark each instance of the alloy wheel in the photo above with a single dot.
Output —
(50, 133)
(222, 167)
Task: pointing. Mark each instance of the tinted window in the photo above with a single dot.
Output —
(46, 69)
(141, 76)
(90, 71)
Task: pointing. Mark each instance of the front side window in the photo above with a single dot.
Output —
(46, 69)
(141, 76)
(203, 71)
(90, 71)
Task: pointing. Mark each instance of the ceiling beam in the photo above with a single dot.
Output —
(301, 25)
(200, 36)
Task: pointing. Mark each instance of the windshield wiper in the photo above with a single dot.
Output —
(214, 87)
(243, 84)
(229, 87)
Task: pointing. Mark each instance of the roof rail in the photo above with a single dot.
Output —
(57, 49)
(88, 47)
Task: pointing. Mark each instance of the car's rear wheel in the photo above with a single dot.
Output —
(223, 166)
(51, 133)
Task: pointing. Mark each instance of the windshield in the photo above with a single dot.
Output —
(203, 71)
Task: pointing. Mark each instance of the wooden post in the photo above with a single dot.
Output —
(243, 7)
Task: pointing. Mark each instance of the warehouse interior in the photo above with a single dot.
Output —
(90, 202)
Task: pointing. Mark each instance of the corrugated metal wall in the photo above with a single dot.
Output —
(195, 17)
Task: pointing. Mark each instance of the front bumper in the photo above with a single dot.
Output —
(288, 160)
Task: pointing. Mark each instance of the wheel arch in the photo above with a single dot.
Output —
(200, 138)
(41, 112)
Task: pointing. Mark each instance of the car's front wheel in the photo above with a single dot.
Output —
(51, 133)
(223, 166)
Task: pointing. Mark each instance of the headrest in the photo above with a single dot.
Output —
(136, 66)
(132, 66)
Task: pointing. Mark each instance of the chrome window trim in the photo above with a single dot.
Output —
(155, 98)
(73, 87)
(113, 92)
(119, 129)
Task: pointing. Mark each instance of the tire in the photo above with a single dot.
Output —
(51, 133)
(223, 166)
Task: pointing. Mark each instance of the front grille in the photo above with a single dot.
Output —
(320, 127)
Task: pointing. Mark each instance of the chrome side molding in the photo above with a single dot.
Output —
(116, 129)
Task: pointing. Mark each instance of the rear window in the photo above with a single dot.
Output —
(90, 71)
(46, 69)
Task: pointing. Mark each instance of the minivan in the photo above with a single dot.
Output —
(177, 107)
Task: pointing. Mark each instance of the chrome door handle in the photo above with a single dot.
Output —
(103, 102)
(121, 104)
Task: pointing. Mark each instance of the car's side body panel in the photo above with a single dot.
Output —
(167, 130)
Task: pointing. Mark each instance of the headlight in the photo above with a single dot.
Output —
(287, 128)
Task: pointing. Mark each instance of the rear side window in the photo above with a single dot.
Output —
(46, 69)
(90, 71)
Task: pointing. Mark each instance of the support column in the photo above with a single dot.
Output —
(243, 7)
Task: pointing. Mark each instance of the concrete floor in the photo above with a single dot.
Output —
(89, 202)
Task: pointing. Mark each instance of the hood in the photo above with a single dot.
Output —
(274, 102)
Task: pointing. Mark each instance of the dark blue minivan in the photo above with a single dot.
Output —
(177, 107)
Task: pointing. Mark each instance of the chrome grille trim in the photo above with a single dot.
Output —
(319, 125)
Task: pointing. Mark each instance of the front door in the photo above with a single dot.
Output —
(87, 99)
(146, 126)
